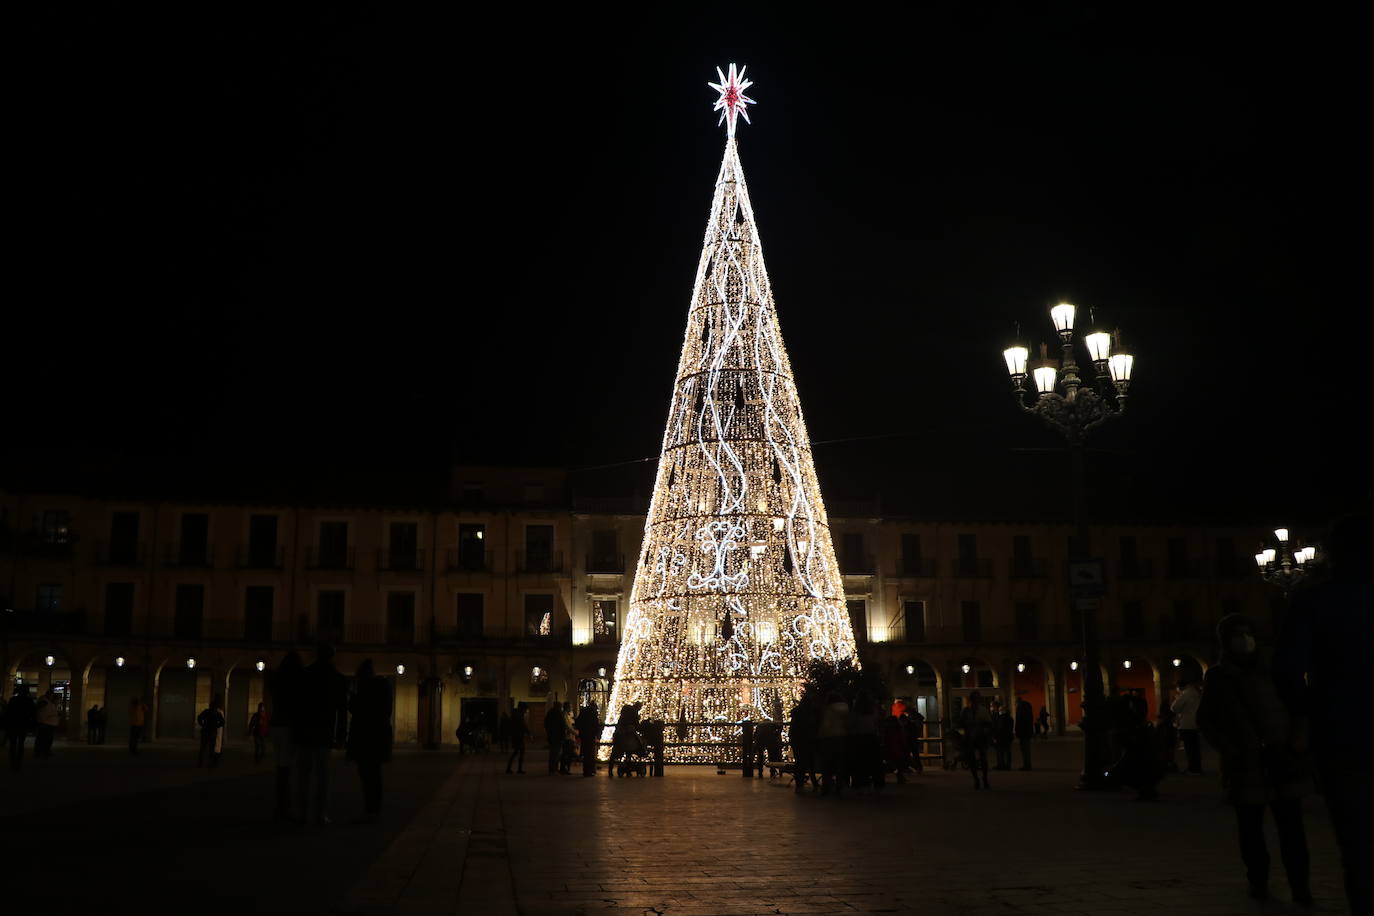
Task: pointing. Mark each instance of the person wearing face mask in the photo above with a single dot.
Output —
(1263, 760)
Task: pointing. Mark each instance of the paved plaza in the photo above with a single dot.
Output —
(95, 828)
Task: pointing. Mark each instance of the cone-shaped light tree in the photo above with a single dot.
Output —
(737, 589)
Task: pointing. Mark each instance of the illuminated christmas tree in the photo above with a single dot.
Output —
(737, 589)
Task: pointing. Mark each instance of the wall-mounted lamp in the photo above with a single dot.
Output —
(190, 663)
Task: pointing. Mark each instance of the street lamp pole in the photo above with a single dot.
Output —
(1073, 410)
(1288, 564)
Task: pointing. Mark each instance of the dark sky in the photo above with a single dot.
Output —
(339, 240)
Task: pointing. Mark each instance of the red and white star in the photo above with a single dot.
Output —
(732, 99)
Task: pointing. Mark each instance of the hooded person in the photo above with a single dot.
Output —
(1262, 751)
(369, 735)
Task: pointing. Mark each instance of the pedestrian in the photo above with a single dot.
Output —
(1133, 743)
(211, 722)
(1168, 740)
(1025, 731)
(589, 733)
(1185, 708)
(100, 724)
(896, 737)
(625, 740)
(138, 715)
(320, 724)
(864, 738)
(1263, 759)
(283, 693)
(976, 724)
(45, 726)
(831, 734)
(258, 725)
(569, 751)
(20, 716)
(92, 723)
(369, 736)
(554, 730)
(1320, 669)
(805, 721)
(1003, 732)
(1043, 723)
(516, 731)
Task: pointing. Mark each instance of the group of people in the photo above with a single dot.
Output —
(95, 724)
(981, 726)
(23, 715)
(568, 737)
(838, 744)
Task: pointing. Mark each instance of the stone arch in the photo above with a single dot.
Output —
(1137, 674)
(1036, 684)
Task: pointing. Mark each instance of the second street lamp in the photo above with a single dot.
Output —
(1287, 565)
(1074, 409)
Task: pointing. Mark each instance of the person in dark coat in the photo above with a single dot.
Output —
(1025, 731)
(1043, 722)
(369, 736)
(283, 692)
(319, 726)
(554, 729)
(589, 733)
(1263, 759)
(92, 723)
(625, 737)
(802, 733)
(1320, 668)
(211, 722)
(975, 722)
(518, 729)
(20, 715)
(1003, 731)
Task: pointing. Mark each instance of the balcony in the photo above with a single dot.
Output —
(916, 568)
(256, 556)
(468, 559)
(971, 568)
(120, 553)
(605, 564)
(540, 562)
(190, 556)
(494, 633)
(55, 544)
(329, 558)
(402, 561)
(1029, 568)
(58, 622)
(197, 628)
(861, 565)
(1136, 570)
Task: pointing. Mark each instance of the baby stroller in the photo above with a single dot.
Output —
(630, 757)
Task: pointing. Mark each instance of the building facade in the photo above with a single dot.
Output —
(508, 588)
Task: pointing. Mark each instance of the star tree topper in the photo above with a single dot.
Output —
(732, 99)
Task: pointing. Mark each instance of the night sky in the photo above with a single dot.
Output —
(340, 241)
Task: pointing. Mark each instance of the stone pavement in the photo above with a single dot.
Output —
(696, 843)
(93, 828)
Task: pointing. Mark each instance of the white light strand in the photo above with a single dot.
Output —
(736, 528)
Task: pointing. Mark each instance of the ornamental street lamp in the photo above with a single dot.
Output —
(1286, 565)
(1073, 409)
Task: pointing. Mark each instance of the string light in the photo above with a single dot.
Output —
(737, 589)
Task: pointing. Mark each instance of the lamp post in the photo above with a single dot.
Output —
(1286, 565)
(1073, 409)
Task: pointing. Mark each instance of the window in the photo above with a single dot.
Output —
(195, 539)
(473, 493)
(123, 538)
(190, 611)
(1027, 621)
(49, 598)
(533, 493)
(333, 546)
(858, 616)
(605, 552)
(400, 618)
(56, 527)
(329, 615)
(971, 614)
(539, 548)
(911, 555)
(472, 547)
(262, 541)
(1183, 619)
(470, 607)
(403, 544)
(1133, 620)
(119, 608)
(1078, 550)
(1022, 561)
(1178, 557)
(605, 614)
(257, 613)
(967, 563)
(852, 555)
(915, 614)
(539, 615)
(1227, 561)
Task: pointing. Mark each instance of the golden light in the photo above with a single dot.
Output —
(190, 663)
(1062, 316)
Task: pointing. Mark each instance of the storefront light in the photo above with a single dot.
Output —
(190, 663)
(966, 669)
(536, 671)
(261, 665)
(910, 670)
(1020, 667)
(467, 671)
(1073, 666)
(49, 660)
(400, 670)
(1178, 663)
(119, 661)
(1126, 664)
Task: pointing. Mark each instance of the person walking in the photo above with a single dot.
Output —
(1319, 669)
(138, 715)
(1043, 723)
(320, 724)
(1185, 708)
(211, 722)
(864, 739)
(101, 723)
(283, 692)
(803, 736)
(831, 735)
(517, 731)
(976, 723)
(589, 733)
(554, 730)
(369, 736)
(45, 726)
(92, 723)
(1025, 731)
(20, 715)
(258, 725)
(1263, 759)
(1003, 732)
